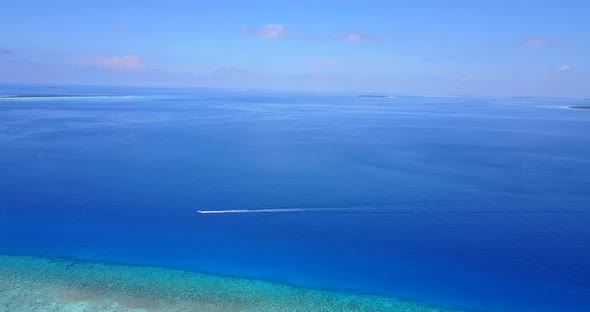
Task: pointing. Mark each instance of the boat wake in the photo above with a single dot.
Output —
(276, 210)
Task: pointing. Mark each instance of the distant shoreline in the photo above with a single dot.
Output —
(580, 107)
(374, 95)
(37, 96)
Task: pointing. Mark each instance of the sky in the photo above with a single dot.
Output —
(453, 47)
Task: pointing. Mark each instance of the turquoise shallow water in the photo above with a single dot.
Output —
(30, 284)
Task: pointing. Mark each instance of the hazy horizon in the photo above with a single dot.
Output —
(504, 48)
(39, 87)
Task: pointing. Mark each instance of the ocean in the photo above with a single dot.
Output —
(457, 202)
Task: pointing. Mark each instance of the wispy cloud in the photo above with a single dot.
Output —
(127, 62)
(536, 42)
(5, 51)
(70, 72)
(564, 68)
(543, 41)
(270, 31)
(228, 75)
(466, 80)
(354, 36)
(274, 31)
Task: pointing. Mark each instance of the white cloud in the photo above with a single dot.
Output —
(564, 68)
(113, 62)
(273, 31)
(270, 31)
(356, 36)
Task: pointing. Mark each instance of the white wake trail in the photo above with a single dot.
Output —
(277, 210)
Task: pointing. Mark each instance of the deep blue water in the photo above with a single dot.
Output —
(480, 203)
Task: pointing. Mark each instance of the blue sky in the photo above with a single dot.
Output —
(480, 47)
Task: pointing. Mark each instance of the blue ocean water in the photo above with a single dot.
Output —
(480, 203)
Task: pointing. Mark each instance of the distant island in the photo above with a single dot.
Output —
(580, 107)
(53, 96)
(374, 95)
